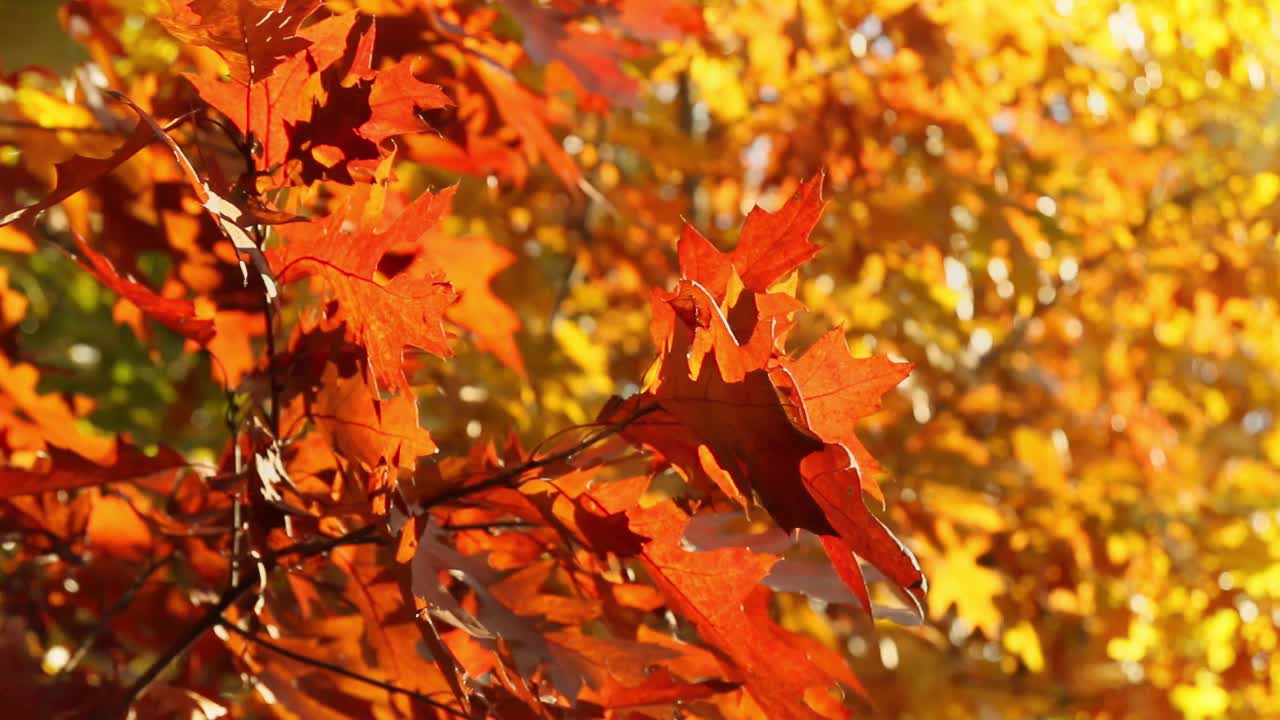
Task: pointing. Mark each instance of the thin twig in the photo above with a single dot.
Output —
(499, 525)
(338, 669)
(273, 382)
(506, 476)
(184, 643)
(104, 622)
(228, 598)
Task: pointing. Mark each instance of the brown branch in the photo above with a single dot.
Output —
(228, 598)
(499, 525)
(104, 622)
(338, 669)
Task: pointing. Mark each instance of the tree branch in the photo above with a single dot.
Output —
(338, 669)
(506, 476)
(104, 622)
(228, 598)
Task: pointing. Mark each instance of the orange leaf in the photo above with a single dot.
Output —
(252, 36)
(79, 171)
(719, 592)
(65, 470)
(382, 316)
(174, 313)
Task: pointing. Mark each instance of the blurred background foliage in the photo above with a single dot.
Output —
(1062, 212)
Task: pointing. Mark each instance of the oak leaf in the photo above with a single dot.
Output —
(382, 315)
(719, 592)
(252, 36)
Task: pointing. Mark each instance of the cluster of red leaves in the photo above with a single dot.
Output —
(332, 557)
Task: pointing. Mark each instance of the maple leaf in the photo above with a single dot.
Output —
(835, 389)
(806, 475)
(964, 582)
(656, 19)
(384, 317)
(365, 427)
(345, 123)
(770, 245)
(395, 97)
(472, 263)
(758, 448)
(592, 57)
(528, 115)
(32, 420)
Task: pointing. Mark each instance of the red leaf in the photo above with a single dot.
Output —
(719, 592)
(174, 313)
(384, 317)
(65, 470)
(366, 428)
(252, 36)
(395, 98)
(593, 57)
(836, 390)
(472, 263)
(744, 421)
(528, 115)
(770, 246)
(774, 244)
(264, 108)
(658, 19)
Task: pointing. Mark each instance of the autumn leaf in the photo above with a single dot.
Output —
(593, 57)
(280, 94)
(836, 390)
(79, 171)
(805, 470)
(176, 314)
(384, 316)
(252, 36)
(65, 470)
(718, 591)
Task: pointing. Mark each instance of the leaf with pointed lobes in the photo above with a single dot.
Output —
(836, 390)
(656, 20)
(528, 115)
(174, 313)
(720, 593)
(770, 246)
(581, 512)
(66, 470)
(252, 36)
(265, 110)
(364, 427)
(338, 128)
(750, 439)
(383, 316)
(394, 95)
(470, 265)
